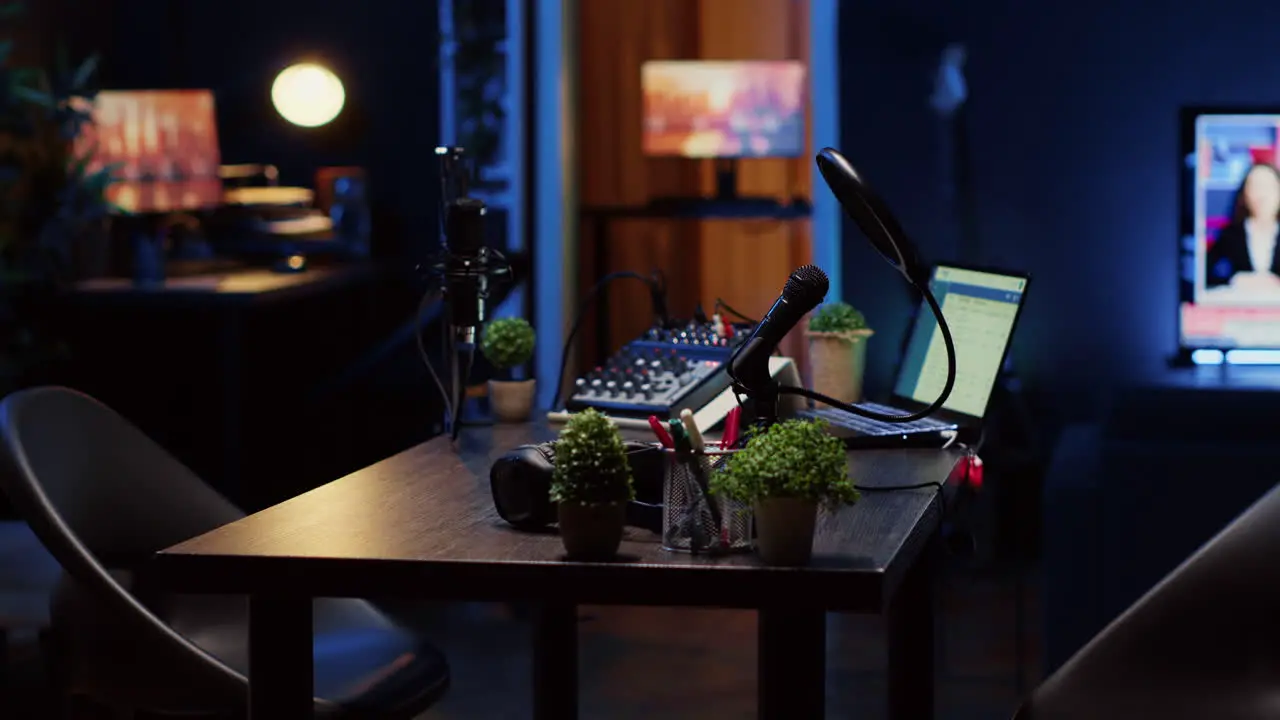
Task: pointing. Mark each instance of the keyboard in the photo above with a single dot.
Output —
(866, 426)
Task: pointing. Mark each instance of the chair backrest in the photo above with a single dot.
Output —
(1204, 642)
(93, 487)
(76, 464)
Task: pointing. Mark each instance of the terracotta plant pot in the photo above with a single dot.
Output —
(511, 400)
(784, 530)
(591, 532)
(838, 361)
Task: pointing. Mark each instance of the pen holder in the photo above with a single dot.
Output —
(693, 520)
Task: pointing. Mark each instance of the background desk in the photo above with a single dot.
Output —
(1173, 461)
(173, 358)
(422, 524)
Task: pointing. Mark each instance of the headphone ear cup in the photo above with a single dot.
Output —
(520, 482)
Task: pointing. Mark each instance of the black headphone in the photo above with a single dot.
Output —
(521, 484)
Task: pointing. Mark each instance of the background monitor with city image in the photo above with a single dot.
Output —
(1230, 267)
(724, 109)
(164, 144)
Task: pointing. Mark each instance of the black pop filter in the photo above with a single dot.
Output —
(865, 207)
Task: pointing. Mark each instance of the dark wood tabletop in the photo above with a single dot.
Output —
(423, 523)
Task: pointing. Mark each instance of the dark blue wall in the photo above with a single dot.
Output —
(385, 53)
(1074, 116)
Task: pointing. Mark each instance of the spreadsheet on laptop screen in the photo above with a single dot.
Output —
(980, 308)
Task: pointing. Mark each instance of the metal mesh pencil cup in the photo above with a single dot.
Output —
(693, 520)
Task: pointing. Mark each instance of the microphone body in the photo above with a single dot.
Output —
(466, 268)
(749, 365)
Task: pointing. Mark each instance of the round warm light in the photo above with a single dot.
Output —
(308, 95)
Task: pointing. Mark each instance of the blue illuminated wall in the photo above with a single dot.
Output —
(1074, 109)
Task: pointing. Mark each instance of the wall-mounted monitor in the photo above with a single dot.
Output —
(723, 109)
(1230, 258)
(165, 143)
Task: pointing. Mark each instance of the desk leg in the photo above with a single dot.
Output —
(911, 642)
(281, 665)
(791, 678)
(555, 662)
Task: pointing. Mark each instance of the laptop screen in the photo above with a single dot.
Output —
(981, 308)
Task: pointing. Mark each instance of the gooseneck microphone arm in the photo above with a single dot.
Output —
(807, 287)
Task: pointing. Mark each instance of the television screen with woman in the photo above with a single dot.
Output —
(1230, 287)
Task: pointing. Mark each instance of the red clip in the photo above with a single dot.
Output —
(973, 471)
(967, 472)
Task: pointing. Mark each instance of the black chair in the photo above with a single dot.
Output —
(1203, 643)
(103, 498)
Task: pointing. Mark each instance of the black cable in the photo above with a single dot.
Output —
(933, 407)
(886, 488)
(722, 304)
(658, 298)
(464, 358)
(582, 314)
(427, 299)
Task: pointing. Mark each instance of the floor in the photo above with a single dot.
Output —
(636, 662)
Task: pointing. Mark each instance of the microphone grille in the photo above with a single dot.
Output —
(808, 285)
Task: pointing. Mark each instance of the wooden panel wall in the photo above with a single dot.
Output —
(743, 262)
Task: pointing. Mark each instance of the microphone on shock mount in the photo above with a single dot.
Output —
(749, 366)
(466, 268)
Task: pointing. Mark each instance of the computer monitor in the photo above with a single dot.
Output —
(165, 143)
(981, 308)
(1230, 268)
(723, 109)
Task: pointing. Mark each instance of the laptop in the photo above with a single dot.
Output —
(982, 307)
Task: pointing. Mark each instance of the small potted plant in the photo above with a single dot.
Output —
(591, 486)
(838, 351)
(786, 472)
(508, 344)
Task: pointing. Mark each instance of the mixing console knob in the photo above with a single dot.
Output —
(611, 387)
(581, 384)
(646, 390)
(597, 384)
(628, 387)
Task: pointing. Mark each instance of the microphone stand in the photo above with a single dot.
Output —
(473, 274)
(761, 410)
(765, 395)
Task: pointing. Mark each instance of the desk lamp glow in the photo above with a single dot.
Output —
(308, 95)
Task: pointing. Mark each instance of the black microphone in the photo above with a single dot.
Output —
(749, 365)
(466, 268)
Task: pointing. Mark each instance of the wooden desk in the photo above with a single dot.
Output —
(422, 523)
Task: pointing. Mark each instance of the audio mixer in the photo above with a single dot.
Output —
(662, 372)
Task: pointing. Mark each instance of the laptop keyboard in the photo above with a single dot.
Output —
(867, 426)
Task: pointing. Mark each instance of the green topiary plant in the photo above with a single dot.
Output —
(591, 462)
(508, 343)
(793, 459)
(837, 317)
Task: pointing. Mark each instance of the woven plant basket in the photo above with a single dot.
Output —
(838, 361)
